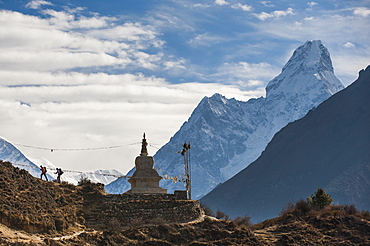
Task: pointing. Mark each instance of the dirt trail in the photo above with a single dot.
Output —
(14, 236)
(267, 234)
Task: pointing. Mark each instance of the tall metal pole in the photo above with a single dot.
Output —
(189, 168)
(186, 154)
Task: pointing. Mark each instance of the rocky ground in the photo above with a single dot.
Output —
(34, 205)
(36, 212)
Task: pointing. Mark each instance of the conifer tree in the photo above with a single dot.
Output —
(320, 199)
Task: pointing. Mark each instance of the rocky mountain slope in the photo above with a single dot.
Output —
(36, 212)
(328, 148)
(226, 135)
(9, 152)
(34, 205)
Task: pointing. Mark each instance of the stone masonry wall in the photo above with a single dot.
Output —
(112, 212)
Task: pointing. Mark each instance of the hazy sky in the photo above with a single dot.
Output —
(86, 74)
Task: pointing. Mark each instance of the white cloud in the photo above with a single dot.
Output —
(247, 75)
(32, 43)
(205, 39)
(221, 2)
(200, 5)
(243, 7)
(364, 12)
(69, 20)
(35, 4)
(311, 4)
(49, 60)
(275, 14)
(23, 31)
(342, 27)
(347, 65)
(267, 3)
(100, 87)
(259, 83)
(126, 32)
(148, 61)
(175, 64)
(349, 45)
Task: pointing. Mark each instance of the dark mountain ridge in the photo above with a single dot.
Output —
(328, 148)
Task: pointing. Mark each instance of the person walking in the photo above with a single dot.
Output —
(43, 172)
(59, 172)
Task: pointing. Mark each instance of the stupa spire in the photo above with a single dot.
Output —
(144, 151)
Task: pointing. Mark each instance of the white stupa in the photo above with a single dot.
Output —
(145, 179)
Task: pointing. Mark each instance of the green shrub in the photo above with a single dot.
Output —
(303, 207)
(84, 181)
(288, 209)
(207, 210)
(332, 211)
(243, 220)
(365, 214)
(221, 215)
(320, 199)
(300, 208)
(350, 209)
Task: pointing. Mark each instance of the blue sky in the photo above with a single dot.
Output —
(80, 74)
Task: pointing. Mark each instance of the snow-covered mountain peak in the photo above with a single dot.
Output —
(217, 96)
(311, 54)
(209, 106)
(213, 101)
(308, 72)
(217, 103)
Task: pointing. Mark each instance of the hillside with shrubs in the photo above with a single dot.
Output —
(36, 212)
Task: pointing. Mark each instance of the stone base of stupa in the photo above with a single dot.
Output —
(148, 190)
(124, 211)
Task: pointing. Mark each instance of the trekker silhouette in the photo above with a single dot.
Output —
(59, 172)
(43, 172)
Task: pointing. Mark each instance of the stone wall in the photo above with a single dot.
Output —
(114, 212)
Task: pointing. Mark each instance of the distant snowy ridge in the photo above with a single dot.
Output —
(10, 153)
(226, 135)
